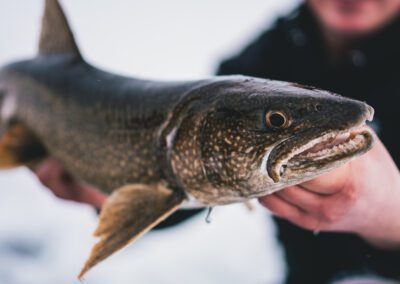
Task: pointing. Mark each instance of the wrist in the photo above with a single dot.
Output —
(382, 228)
(391, 242)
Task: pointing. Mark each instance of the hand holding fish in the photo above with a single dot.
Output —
(53, 176)
(361, 197)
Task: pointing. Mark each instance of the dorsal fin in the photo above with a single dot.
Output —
(56, 35)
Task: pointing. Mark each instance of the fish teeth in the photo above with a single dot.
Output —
(344, 147)
(342, 143)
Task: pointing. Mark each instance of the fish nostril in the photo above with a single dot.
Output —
(318, 107)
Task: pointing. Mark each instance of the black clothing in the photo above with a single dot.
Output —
(178, 217)
(293, 50)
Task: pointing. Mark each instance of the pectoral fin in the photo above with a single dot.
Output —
(19, 146)
(128, 213)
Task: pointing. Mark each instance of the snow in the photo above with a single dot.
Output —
(45, 240)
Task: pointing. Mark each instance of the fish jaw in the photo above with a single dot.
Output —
(322, 152)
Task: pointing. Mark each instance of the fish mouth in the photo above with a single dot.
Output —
(320, 154)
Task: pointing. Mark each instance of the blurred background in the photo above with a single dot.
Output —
(46, 240)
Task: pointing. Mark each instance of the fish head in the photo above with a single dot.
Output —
(262, 135)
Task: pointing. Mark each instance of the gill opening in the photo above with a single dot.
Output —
(264, 162)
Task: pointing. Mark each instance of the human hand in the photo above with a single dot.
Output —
(52, 175)
(361, 197)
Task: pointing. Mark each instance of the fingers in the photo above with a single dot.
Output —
(43, 171)
(280, 207)
(307, 201)
(63, 185)
(90, 195)
(294, 214)
(327, 209)
(329, 183)
(51, 175)
(307, 209)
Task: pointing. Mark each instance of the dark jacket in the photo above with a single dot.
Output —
(293, 51)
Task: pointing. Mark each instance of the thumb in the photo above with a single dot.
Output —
(331, 182)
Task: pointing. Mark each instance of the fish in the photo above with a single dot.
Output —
(155, 146)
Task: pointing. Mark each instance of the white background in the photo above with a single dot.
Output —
(45, 240)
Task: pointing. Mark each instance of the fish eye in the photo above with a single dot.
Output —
(276, 119)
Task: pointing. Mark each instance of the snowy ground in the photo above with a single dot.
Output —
(45, 240)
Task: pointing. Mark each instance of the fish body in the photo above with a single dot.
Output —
(84, 115)
(153, 145)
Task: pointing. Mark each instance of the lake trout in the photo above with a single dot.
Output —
(153, 145)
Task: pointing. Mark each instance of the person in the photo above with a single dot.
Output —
(346, 222)
(351, 48)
